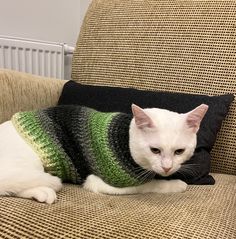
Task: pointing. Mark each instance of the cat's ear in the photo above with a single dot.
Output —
(195, 117)
(142, 120)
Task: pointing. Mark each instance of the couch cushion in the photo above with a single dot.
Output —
(200, 212)
(22, 91)
(120, 99)
(177, 46)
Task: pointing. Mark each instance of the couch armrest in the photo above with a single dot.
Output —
(21, 91)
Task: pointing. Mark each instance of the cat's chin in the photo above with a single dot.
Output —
(165, 174)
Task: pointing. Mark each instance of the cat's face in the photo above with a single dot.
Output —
(161, 140)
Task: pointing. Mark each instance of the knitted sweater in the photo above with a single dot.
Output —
(74, 142)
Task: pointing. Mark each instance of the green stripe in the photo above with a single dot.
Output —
(107, 165)
(54, 159)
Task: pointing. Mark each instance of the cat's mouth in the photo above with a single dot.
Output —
(164, 172)
(159, 170)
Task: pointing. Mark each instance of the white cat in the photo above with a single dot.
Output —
(159, 141)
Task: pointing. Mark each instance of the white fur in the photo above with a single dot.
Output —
(22, 173)
(97, 185)
(168, 133)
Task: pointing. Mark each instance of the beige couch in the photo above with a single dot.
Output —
(176, 46)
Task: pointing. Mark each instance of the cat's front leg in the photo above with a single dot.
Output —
(165, 186)
(97, 185)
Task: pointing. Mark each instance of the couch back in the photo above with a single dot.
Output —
(175, 46)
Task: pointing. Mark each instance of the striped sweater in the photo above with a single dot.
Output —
(74, 142)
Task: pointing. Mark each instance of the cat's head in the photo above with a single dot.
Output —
(161, 140)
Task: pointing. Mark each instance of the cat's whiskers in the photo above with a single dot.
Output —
(148, 176)
(189, 169)
(145, 175)
(139, 169)
(141, 174)
(179, 172)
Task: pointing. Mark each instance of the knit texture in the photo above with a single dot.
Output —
(74, 142)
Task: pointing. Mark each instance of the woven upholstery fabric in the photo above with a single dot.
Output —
(200, 212)
(176, 46)
(21, 92)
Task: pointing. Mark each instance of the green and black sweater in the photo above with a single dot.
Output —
(74, 142)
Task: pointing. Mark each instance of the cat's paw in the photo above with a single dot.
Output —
(54, 183)
(41, 194)
(169, 186)
(45, 194)
(93, 184)
(177, 186)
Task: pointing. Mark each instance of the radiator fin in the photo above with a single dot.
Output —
(35, 57)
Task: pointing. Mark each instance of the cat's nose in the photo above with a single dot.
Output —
(166, 169)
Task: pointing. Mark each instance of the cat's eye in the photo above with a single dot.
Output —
(155, 150)
(179, 151)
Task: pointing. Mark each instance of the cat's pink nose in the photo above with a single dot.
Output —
(166, 169)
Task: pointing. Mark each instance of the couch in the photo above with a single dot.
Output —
(174, 46)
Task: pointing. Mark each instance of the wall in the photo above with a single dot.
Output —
(48, 20)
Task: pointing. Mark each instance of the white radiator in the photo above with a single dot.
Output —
(35, 57)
